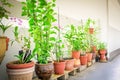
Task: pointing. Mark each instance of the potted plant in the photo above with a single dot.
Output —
(69, 60)
(72, 37)
(83, 43)
(102, 51)
(23, 67)
(3, 39)
(59, 64)
(90, 25)
(41, 18)
(88, 39)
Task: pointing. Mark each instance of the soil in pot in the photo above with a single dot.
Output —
(44, 71)
(59, 67)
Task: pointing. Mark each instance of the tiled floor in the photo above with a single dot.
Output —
(100, 71)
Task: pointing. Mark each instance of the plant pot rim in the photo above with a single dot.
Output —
(43, 64)
(12, 65)
(56, 62)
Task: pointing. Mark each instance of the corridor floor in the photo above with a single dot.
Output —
(100, 71)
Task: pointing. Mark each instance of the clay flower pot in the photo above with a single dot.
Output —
(75, 54)
(20, 71)
(89, 57)
(94, 49)
(2, 48)
(44, 71)
(59, 67)
(77, 63)
(83, 59)
(102, 55)
(69, 65)
(91, 30)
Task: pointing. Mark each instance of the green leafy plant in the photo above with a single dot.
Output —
(24, 55)
(73, 38)
(41, 16)
(58, 50)
(4, 14)
(89, 41)
(83, 39)
(102, 45)
(59, 46)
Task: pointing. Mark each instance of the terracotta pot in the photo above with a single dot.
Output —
(3, 48)
(44, 71)
(69, 64)
(24, 72)
(7, 41)
(77, 63)
(75, 54)
(102, 55)
(91, 30)
(59, 67)
(89, 57)
(93, 55)
(102, 51)
(94, 49)
(83, 59)
(15, 65)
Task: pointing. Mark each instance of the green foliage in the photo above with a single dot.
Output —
(4, 14)
(41, 17)
(4, 28)
(58, 49)
(102, 45)
(73, 37)
(3, 11)
(89, 37)
(25, 54)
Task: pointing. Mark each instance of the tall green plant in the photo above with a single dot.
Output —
(4, 14)
(41, 16)
(73, 37)
(86, 27)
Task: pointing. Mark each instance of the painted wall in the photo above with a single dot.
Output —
(114, 25)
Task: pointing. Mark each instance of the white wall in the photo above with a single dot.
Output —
(83, 9)
(114, 25)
